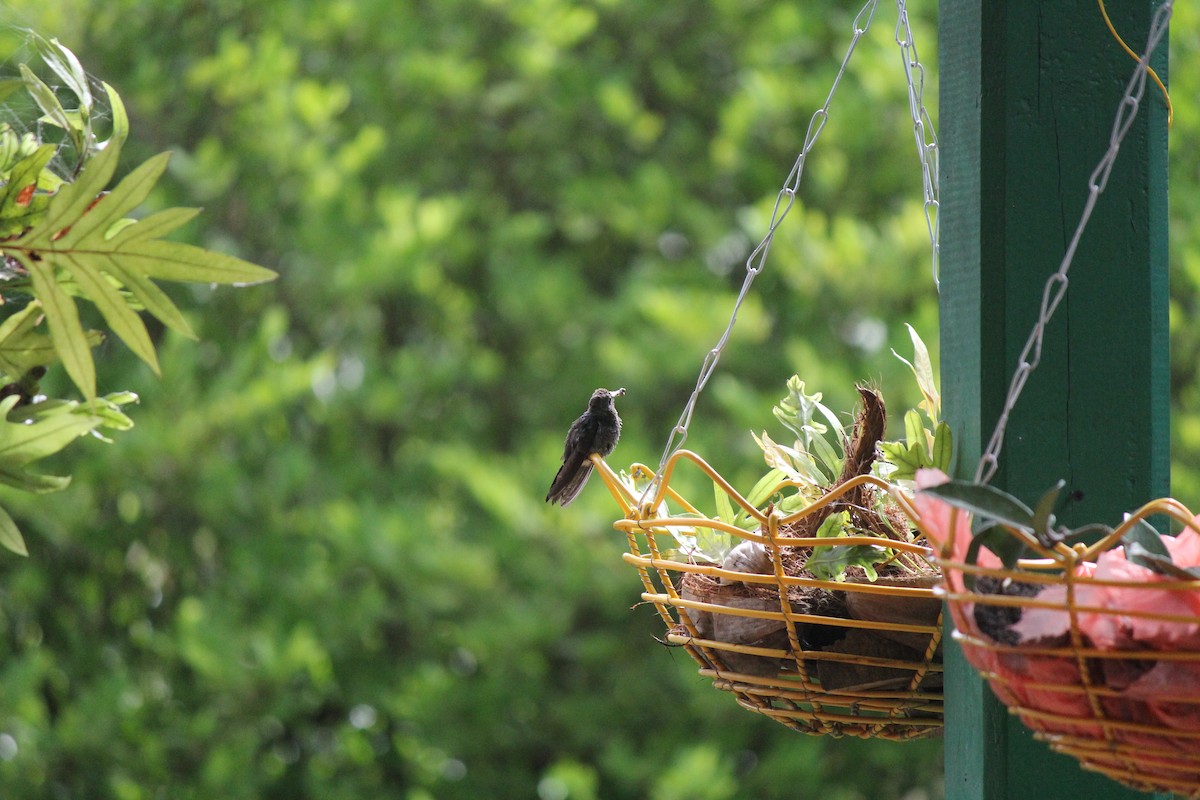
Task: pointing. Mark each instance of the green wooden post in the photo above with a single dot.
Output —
(1028, 94)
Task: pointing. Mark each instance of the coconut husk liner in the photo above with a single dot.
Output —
(829, 643)
(824, 630)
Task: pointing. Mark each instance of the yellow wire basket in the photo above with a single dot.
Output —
(853, 657)
(1099, 656)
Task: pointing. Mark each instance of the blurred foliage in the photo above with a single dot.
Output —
(320, 565)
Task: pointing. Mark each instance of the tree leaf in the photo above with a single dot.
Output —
(156, 225)
(64, 64)
(153, 299)
(72, 244)
(10, 536)
(126, 196)
(47, 101)
(32, 482)
(10, 86)
(73, 200)
(19, 210)
(125, 323)
(66, 333)
(183, 262)
(22, 348)
(120, 119)
(21, 443)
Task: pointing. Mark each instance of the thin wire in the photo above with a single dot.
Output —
(1056, 285)
(757, 259)
(1113, 30)
(923, 132)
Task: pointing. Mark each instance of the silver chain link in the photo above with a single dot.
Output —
(924, 131)
(756, 260)
(1056, 285)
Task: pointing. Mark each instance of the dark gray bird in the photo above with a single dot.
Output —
(596, 431)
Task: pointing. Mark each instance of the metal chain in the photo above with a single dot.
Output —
(1056, 285)
(923, 132)
(756, 260)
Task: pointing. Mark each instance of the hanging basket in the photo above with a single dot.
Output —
(1098, 655)
(854, 657)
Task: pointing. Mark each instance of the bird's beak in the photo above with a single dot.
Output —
(619, 392)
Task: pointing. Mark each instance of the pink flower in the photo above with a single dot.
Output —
(1116, 628)
(1184, 548)
(1042, 624)
(937, 517)
(1168, 690)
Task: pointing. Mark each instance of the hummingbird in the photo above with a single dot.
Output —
(596, 431)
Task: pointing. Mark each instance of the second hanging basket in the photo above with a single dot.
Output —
(1097, 653)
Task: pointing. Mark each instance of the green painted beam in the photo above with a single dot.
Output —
(1028, 91)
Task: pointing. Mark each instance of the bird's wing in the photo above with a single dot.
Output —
(569, 481)
(582, 430)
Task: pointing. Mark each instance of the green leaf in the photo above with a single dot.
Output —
(835, 424)
(1145, 536)
(64, 64)
(724, 506)
(906, 459)
(72, 244)
(34, 431)
(1007, 547)
(1135, 553)
(795, 465)
(120, 119)
(922, 369)
(10, 86)
(1043, 512)
(32, 482)
(826, 456)
(47, 101)
(66, 333)
(73, 200)
(182, 262)
(914, 431)
(713, 545)
(834, 525)
(22, 349)
(156, 225)
(153, 299)
(765, 486)
(985, 500)
(125, 323)
(16, 216)
(830, 563)
(10, 536)
(943, 447)
(21, 443)
(126, 196)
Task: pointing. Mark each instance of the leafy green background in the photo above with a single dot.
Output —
(320, 565)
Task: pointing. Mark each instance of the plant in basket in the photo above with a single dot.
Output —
(1085, 642)
(815, 582)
